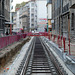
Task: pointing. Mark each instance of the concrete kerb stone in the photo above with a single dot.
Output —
(7, 53)
(70, 60)
(64, 56)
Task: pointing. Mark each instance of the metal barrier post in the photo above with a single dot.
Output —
(49, 36)
(64, 43)
(54, 38)
(61, 41)
(58, 39)
(69, 47)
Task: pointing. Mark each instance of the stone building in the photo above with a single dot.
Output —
(72, 18)
(4, 14)
(7, 10)
(20, 19)
(56, 16)
(14, 19)
(32, 14)
(24, 18)
(64, 16)
(7, 16)
(2, 19)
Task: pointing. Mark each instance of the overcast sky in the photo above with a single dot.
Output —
(16, 2)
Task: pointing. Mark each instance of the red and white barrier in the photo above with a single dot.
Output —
(5, 41)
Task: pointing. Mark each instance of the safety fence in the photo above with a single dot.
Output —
(63, 43)
(5, 41)
(38, 34)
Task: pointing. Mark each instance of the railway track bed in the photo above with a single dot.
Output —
(40, 62)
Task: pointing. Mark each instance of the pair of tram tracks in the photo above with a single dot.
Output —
(39, 62)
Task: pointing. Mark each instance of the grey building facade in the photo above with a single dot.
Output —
(24, 18)
(4, 14)
(64, 16)
(2, 19)
(21, 18)
(56, 16)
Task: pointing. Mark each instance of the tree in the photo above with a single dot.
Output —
(20, 5)
(17, 5)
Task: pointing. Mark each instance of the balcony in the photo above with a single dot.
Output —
(7, 15)
(66, 8)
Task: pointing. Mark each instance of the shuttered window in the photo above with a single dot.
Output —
(72, 22)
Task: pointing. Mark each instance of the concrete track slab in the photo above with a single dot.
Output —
(59, 54)
(40, 74)
(15, 65)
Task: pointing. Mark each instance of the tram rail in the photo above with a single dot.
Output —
(39, 61)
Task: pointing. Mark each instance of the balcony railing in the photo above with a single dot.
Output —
(66, 8)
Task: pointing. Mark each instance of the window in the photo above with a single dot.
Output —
(49, 1)
(32, 20)
(0, 7)
(32, 15)
(32, 4)
(20, 22)
(32, 24)
(11, 1)
(32, 9)
(72, 22)
(11, 7)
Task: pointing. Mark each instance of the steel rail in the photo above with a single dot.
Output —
(23, 66)
(57, 65)
(40, 60)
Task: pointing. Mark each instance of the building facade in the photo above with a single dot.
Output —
(4, 14)
(63, 16)
(20, 19)
(11, 10)
(32, 15)
(2, 19)
(26, 17)
(41, 14)
(56, 16)
(7, 16)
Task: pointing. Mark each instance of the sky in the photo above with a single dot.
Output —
(16, 2)
(19, 1)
